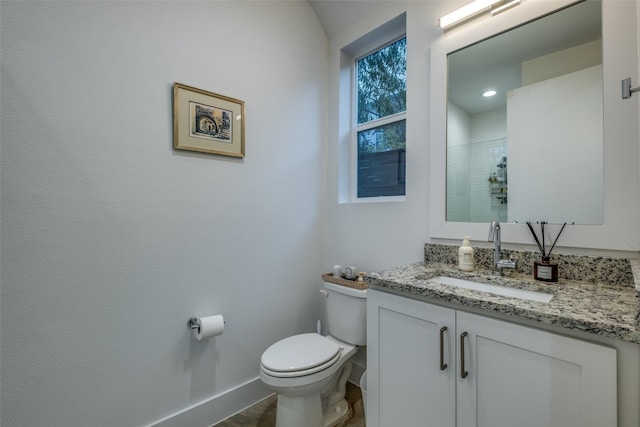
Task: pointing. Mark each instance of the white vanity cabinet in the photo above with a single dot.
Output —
(405, 385)
(432, 366)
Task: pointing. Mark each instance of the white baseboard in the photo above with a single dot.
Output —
(219, 407)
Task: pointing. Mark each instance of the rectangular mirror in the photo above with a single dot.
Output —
(618, 227)
(525, 122)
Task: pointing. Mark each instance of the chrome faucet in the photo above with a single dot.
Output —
(498, 263)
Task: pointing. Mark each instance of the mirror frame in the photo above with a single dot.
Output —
(621, 228)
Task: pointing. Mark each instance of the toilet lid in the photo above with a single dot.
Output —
(299, 352)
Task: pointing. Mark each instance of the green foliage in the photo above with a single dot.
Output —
(382, 91)
(382, 78)
(383, 138)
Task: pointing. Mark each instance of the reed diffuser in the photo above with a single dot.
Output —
(544, 269)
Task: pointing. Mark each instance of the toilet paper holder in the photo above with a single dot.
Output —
(195, 323)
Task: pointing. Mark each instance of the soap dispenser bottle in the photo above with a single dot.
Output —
(465, 255)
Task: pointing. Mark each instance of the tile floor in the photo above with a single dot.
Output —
(263, 414)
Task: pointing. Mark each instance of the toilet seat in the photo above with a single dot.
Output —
(300, 355)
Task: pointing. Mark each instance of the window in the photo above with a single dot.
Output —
(380, 125)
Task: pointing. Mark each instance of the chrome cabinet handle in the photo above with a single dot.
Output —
(443, 365)
(463, 372)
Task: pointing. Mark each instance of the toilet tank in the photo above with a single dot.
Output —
(347, 313)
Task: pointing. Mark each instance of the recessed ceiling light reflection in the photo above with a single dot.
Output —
(489, 93)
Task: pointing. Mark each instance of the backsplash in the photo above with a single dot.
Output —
(635, 267)
(570, 267)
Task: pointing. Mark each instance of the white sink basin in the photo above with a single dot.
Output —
(494, 289)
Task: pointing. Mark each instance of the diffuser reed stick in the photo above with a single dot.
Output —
(542, 247)
(535, 236)
(545, 269)
(556, 241)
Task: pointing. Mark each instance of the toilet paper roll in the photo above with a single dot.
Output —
(210, 326)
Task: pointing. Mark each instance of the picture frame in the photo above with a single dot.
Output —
(207, 122)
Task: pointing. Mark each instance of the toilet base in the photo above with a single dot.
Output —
(336, 414)
(307, 411)
(299, 411)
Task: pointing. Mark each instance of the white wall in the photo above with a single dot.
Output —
(573, 126)
(377, 235)
(562, 62)
(111, 240)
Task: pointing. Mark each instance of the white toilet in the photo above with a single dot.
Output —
(309, 371)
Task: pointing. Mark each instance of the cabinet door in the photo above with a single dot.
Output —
(406, 385)
(519, 376)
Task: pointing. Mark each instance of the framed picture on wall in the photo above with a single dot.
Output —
(207, 122)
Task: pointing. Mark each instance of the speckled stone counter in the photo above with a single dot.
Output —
(606, 302)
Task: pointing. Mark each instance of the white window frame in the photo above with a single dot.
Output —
(355, 127)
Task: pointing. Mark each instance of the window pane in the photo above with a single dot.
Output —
(382, 160)
(382, 80)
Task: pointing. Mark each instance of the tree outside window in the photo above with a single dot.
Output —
(381, 124)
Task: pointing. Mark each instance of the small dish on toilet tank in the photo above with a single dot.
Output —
(350, 272)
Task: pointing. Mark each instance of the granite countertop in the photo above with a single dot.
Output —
(607, 309)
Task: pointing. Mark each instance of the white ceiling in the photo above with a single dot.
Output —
(335, 15)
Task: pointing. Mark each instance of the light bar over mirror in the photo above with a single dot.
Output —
(475, 8)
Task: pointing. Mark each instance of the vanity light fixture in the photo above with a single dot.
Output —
(474, 8)
(506, 5)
